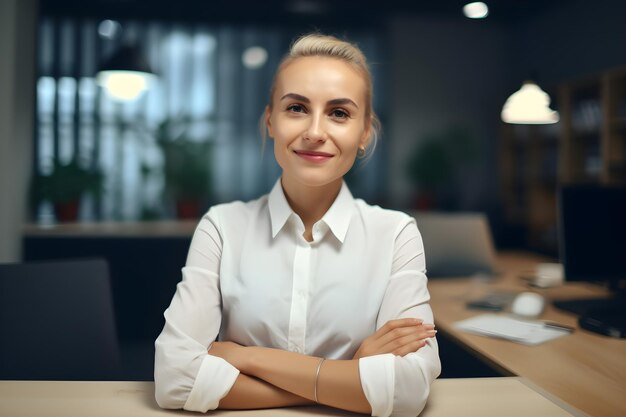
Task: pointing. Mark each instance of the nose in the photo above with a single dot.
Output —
(316, 131)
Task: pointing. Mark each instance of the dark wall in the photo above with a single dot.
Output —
(576, 39)
(447, 72)
(452, 71)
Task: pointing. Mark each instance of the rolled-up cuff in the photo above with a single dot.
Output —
(377, 379)
(214, 380)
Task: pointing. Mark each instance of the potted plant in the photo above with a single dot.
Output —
(64, 187)
(186, 169)
(435, 163)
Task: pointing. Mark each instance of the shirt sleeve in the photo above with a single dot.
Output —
(396, 385)
(185, 375)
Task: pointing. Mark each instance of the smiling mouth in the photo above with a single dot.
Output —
(314, 156)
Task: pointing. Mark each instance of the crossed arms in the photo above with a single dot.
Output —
(277, 378)
(390, 373)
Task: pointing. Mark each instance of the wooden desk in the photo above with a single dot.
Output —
(480, 397)
(584, 369)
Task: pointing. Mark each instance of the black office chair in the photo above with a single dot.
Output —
(57, 321)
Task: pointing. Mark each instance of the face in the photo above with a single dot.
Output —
(317, 120)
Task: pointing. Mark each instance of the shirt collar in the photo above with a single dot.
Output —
(339, 214)
(337, 218)
(279, 208)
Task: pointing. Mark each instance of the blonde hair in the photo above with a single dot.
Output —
(316, 44)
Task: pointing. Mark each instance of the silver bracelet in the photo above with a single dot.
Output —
(317, 375)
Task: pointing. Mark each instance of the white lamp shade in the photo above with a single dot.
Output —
(529, 105)
(125, 85)
(476, 10)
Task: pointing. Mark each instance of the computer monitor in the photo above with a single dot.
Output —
(592, 240)
(456, 244)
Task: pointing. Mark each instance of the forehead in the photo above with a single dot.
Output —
(321, 76)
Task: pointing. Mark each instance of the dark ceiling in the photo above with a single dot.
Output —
(288, 12)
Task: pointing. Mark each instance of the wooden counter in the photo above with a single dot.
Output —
(477, 397)
(584, 369)
(113, 229)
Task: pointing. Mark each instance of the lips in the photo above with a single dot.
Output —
(314, 156)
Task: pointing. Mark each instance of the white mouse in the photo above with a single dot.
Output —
(528, 304)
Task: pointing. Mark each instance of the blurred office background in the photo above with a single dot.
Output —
(441, 80)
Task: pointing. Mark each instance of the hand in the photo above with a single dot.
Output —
(232, 352)
(399, 337)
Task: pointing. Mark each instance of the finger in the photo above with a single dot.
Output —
(425, 333)
(373, 345)
(396, 324)
(416, 332)
(408, 322)
(410, 348)
(407, 339)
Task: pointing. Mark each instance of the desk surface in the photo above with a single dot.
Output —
(480, 397)
(584, 369)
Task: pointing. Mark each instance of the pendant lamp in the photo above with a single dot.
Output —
(529, 105)
(126, 74)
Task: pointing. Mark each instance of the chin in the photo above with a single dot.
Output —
(313, 180)
(313, 176)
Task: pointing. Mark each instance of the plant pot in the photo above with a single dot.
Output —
(188, 209)
(426, 201)
(67, 212)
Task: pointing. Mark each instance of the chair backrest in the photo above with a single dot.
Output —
(57, 321)
(456, 244)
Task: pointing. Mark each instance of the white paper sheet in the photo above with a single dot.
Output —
(511, 328)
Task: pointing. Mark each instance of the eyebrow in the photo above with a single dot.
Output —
(336, 101)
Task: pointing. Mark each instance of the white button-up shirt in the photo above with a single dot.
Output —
(252, 278)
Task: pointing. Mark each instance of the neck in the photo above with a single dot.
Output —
(310, 203)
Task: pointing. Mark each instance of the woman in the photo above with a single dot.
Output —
(313, 295)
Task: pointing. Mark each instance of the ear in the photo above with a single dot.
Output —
(365, 139)
(268, 122)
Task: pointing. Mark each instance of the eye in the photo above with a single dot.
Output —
(296, 108)
(339, 114)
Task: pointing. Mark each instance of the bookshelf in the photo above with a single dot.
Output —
(587, 146)
(529, 178)
(593, 117)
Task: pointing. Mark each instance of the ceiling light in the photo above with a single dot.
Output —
(529, 105)
(109, 29)
(254, 57)
(125, 75)
(476, 10)
(123, 85)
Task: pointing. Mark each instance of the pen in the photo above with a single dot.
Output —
(558, 326)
